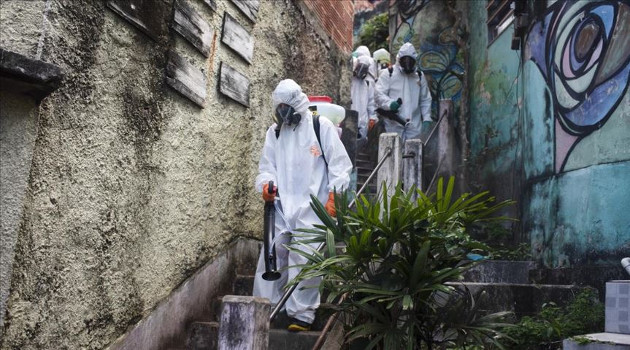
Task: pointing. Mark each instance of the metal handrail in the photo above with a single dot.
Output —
(436, 126)
(290, 291)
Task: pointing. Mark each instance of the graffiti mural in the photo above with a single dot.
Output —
(583, 51)
(435, 34)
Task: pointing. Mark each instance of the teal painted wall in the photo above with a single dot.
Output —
(576, 201)
(495, 113)
(548, 125)
(550, 128)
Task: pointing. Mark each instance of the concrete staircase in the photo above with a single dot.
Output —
(365, 165)
(507, 287)
(203, 333)
(522, 288)
(188, 317)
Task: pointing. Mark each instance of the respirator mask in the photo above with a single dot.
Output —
(286, 114)
(408, 64)
(361, 70)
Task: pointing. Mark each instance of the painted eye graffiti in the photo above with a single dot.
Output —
(587, 56)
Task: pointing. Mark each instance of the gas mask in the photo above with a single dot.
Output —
(286, 114)
(361, 70)
(408, 64)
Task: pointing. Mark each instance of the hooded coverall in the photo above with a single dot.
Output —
(294, 162)
(362, 94)
(364, 51)
(412, 89)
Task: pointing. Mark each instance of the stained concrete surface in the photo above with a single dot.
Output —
(18, 130)
(132, 187)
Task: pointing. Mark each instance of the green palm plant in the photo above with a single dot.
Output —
(392, 261)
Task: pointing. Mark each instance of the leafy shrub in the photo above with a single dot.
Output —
(375, 33)
(545, 331)
(499, 239)
(393, 270)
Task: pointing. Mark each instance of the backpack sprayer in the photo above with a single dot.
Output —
(271, 272)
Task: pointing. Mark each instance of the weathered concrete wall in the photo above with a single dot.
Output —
(495, 119)
(549, 128)
(24, 27)
(18, 130)
(576, 94)
(133, 187)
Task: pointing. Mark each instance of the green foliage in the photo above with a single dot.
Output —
(499, 239)
(375, 33)
(520, 252)
(545, 331)
(391, 262)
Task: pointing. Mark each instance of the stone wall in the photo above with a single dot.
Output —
(132, 187)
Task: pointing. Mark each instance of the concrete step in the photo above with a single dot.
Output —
(587, 275)
(500, 271)
(364, 163)
(364, 171)
(247, 259)
(243, 285)
(203, 336)
(522, 299)
(280, 339)
(598, 341)
(363, 155)
(322, 314)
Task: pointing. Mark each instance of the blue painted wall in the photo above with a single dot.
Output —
(576, 145)
(550, 127)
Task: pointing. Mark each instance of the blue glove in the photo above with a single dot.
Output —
(394, 106)
(427, 126)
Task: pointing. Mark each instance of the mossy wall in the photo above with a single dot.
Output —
(132, 186)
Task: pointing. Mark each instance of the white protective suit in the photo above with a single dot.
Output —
(412, 89)
(293, 161)
(362, 94)
(382, 59)
(372, 75)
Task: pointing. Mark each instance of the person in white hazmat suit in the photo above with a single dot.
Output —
(292, 159)
(362, 94)
(372, 72)
(403, 82)
(382, 59)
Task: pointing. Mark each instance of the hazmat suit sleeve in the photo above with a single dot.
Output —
(267, 164)
(425, 99)
(371, 108)
(381, 92)
(339, 164)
